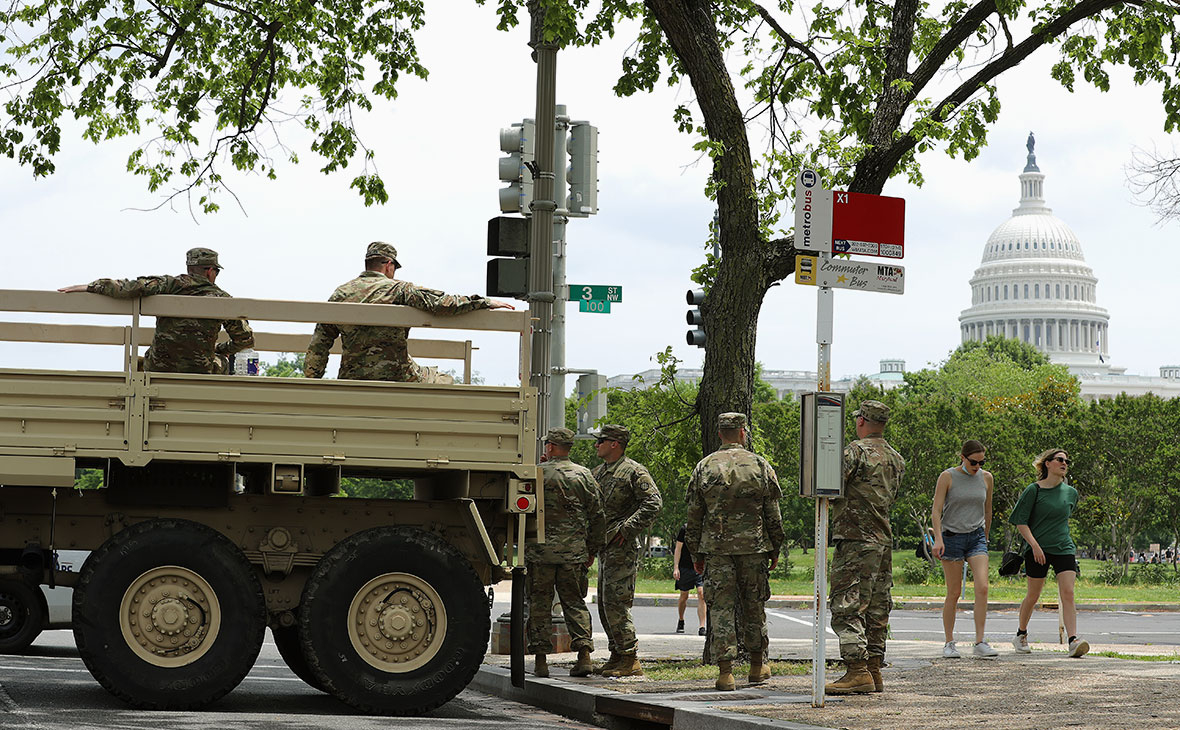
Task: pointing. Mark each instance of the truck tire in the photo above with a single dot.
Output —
(394, 621)
(22, 616)
(291, 650)
(168, 615)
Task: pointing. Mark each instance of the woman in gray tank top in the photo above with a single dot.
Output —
(962, 518)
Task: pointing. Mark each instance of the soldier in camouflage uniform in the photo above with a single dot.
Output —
(862, 569)
(574, 533)
(631, 502)
(734, 529)
(181, 344)
(380, 353)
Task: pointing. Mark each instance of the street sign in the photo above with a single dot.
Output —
(849, 274)
(594, 306)
(599, 292)
(813, 213)
(870, 225)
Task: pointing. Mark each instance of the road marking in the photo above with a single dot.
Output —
(809, 624)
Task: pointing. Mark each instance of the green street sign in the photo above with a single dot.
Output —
(594, 306)
(591, 292)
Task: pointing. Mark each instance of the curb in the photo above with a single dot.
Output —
(799, 603)
(609, 709)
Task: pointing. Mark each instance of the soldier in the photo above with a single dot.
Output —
(574, 532)
(734, 527)
(631, 502)
(380, 353)
(182, 345)
(862, 569)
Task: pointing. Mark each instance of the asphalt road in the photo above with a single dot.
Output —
(1099, 627)
(50, 689)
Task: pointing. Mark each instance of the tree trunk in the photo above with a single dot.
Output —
(730, 310)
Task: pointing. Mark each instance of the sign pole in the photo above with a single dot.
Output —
(823, 338)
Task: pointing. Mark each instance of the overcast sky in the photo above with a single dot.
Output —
(437, 148)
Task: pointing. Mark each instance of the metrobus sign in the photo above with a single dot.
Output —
(838, 222)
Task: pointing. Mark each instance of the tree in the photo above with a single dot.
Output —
(857, 90)
(180, 71)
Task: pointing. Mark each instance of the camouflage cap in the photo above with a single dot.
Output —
(202, 257)
(731, 420)
(560, 436)
(379, 250)
(615, 432)
(872, 410)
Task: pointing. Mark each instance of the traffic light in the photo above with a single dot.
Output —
(518, 141)
(696, 336)
(583, 170)
(508, 277)
(591, 396)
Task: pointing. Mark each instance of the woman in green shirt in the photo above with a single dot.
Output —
(1042, 517)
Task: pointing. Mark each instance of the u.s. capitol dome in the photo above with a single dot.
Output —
(1034, 285)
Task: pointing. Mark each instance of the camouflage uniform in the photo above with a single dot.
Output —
(631, 502)
(181, 344)
(381, 353)
(574, 530)
(735, 526)
(862, 569)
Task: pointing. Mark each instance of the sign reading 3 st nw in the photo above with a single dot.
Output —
(828, 221)
(848, 274)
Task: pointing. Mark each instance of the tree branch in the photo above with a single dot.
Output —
(789, 39)
(954, 38)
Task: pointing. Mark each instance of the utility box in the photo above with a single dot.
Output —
(821, 461)
(591, 401)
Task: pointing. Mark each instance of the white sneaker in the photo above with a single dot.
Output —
(1020, 644)
(1078, 647)
(983, 649)
(950, 652)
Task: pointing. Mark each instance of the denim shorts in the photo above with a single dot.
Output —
(962, 545)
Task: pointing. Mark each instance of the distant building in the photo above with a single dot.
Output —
(784, 382)
(1033, 285)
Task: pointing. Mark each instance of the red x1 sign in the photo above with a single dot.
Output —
(870, 225)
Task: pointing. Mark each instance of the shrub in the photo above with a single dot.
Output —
(1154, 574)
(655, 568)
(915, 571)
(1111, 573)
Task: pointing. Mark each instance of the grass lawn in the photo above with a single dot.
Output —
(1090, 587)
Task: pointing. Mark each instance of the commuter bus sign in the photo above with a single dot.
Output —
(849, 274)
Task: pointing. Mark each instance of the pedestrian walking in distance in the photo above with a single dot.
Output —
(687, 580)
(574, 532)
(962, 519)
(862, 568)
(734, 532)
(1042, 516)
(631, 502)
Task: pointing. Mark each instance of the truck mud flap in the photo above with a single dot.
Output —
(516, 628)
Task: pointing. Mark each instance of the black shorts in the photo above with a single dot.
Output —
(1060, 563)
(689, 580)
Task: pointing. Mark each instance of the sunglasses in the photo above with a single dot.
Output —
(601, 439)
(973, 462)
(1062, 459)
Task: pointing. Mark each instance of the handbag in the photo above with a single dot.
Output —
(1011, 562)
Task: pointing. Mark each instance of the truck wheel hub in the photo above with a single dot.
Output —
(398, 622)
(170, 616)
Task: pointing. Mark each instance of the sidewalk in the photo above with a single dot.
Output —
(1045, 689)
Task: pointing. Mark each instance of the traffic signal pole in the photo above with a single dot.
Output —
(557, 371)
(541, 295)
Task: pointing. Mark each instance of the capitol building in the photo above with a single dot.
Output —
(1033, 285)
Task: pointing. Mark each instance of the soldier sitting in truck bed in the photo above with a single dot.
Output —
(380, 353)
(183, 345)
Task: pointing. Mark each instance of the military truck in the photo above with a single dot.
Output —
(220, 509)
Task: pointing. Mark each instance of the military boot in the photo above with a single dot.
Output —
(541, 668)
(759, 672)
(611, 663)
(725, 681)
(856, 680)
(628, 667)
(582, 667)
(875, 673)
